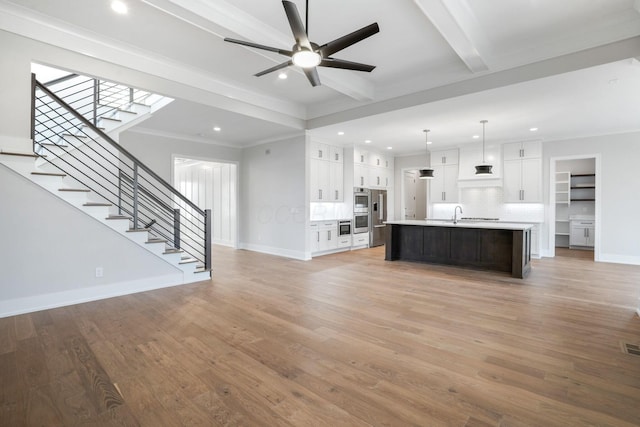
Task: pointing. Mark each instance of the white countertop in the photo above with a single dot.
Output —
(466, 224)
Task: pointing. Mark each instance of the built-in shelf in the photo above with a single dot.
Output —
(583, 200)
(562, 234)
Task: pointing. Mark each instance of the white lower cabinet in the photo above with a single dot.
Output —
(582, 234)
(324, 236)
(325, 239)
(360, 239)
(344, 241)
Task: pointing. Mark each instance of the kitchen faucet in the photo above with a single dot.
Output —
(455, 214)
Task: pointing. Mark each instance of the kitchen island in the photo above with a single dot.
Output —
(497, 246)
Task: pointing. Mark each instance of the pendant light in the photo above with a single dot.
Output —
(484, 168)
(426, 173)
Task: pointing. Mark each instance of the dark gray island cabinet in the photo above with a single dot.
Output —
(488, 246)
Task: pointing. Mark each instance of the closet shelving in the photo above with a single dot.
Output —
(563, 201)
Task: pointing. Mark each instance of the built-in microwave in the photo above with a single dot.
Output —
(360, 222)
(361, 200)
(344, 227)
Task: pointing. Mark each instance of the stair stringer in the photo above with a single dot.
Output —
(99, 215)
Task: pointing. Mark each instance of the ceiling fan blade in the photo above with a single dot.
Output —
(276, 68)
(343, 42)
(312, 75)
(260, 46)
(297, 27)
(346, 65)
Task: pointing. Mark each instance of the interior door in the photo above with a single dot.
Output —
(410, 194)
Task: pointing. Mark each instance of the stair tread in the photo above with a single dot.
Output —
(52, 144)
(202, 270)
(188, 261)
(98, 204)
(156, 241)
(75, 136)
(49, 174)
(127, 111)
(117, 216)
(80, 190)
(109, 118)
(12, 153)
(173, 251)
(137, 230)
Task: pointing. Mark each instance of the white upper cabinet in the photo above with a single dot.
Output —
(444, 185)
(444, 157)
(320, 151)
(522, 150)
(522, 172)
(335, 154)
(326, 173)
(360, 156)
(372, 169)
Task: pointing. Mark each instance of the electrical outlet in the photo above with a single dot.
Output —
(99, 272)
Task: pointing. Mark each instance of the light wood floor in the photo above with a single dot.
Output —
(343, 340)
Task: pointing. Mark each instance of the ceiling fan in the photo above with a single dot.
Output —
(308, 55)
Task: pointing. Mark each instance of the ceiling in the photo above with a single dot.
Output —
(564, 67)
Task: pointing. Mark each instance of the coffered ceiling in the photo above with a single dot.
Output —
(564, 67)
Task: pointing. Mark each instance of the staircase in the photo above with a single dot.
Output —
(75, 157)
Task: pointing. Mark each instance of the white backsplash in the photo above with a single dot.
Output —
(487, 203)
(331, 211)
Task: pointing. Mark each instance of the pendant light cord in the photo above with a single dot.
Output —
(426, 136)
(306, 19)
(484, 122)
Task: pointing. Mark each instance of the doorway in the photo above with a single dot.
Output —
(211, 185)
(575, 191)
(414, 195)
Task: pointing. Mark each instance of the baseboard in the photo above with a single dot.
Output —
(40, 302)
(620, 259)
(286, 253)
(227, 243)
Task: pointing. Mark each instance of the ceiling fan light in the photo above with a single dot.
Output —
(426, 173)
(306, 59)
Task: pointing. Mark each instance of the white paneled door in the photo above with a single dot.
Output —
(211, 185)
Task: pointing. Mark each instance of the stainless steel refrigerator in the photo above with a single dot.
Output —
(377, 217)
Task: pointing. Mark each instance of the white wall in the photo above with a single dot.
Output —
(274, 198)
(50, 251)
(617, 194)
(15, 87)
(157, 151)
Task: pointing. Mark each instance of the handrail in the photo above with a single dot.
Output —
(61, 79)
(121, 149)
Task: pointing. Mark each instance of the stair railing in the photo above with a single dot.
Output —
(69, 141)
(95, 98)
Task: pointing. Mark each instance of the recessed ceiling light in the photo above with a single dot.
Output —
(533, 129)
(389, 148)
(340, 133)
(282, 76)
(429, 142)
(217, 129)
(475, 136)
(367, 141)
(119, 7)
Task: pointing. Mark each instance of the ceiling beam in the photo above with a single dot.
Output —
(604, 54)
(456, 23)
(221, 15)
(172, 78)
